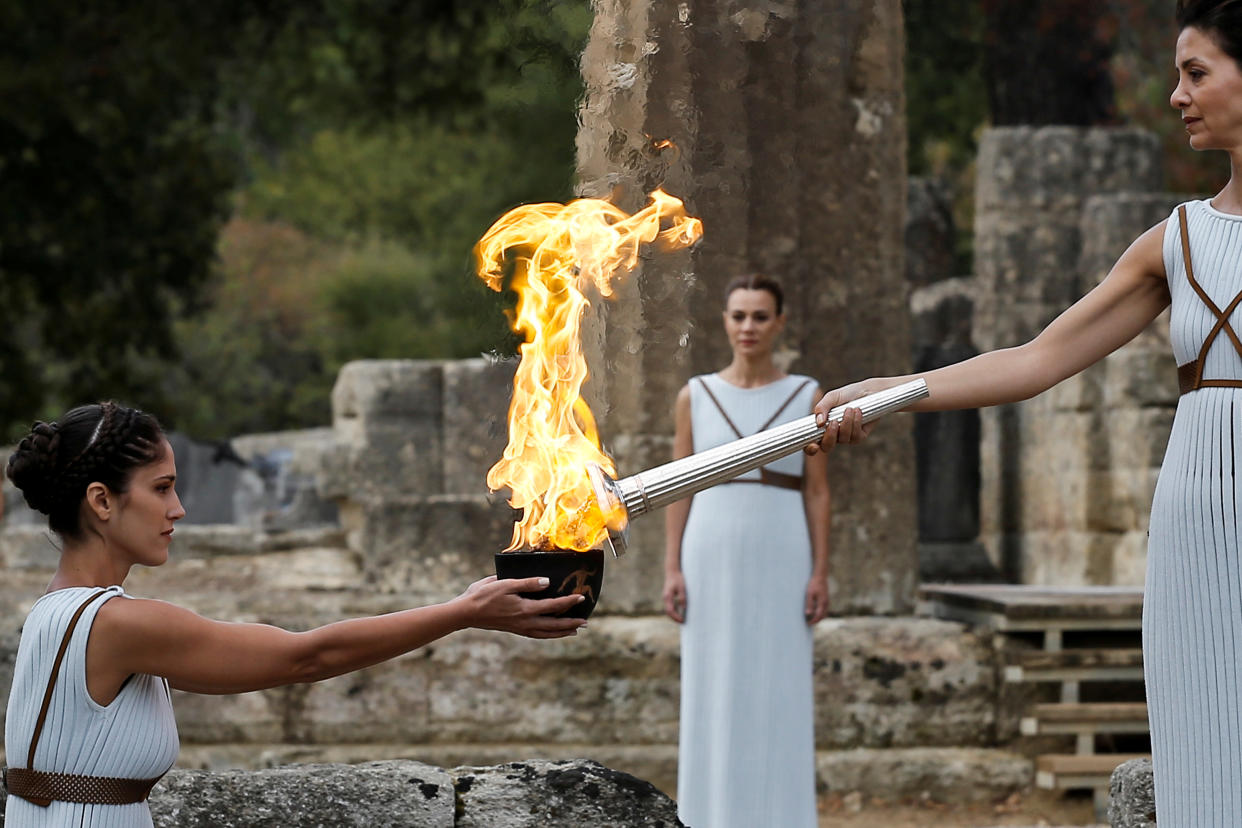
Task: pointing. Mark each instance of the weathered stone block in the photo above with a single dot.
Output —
(287, 462)
(929, 234)
(1130, 558)
(388, 702)
(476, 411)
(617, 682)
(242, 717)
(28, 547)
(431, 548)
(537, 794)
(941, 315)
(902, 682)
(387, 423)
(943, 774)
(655, 763)
(1132, 796)
(1056, 167)
(1143, 375)
(324, 796)
(878, 683)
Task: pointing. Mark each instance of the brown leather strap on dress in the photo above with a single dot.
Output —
(42, 787)
(51, 682)
(784, 405)
(768, 477)
(1190, 375)
(720, 407)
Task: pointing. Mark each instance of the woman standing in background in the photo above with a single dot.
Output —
(746, 575)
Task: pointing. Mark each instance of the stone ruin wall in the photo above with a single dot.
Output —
(1068, 477)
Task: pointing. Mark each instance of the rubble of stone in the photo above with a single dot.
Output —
(1132, 796)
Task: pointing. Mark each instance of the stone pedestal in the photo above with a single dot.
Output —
(789, 134)
(1067, 477)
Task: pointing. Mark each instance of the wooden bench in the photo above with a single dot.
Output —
(1071, 771)
(1085, 721)
(1086, 616)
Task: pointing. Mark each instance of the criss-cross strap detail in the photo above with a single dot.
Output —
(766, 477)
(1190, 375)
(785, 404)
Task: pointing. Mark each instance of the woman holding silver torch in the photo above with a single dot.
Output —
(1192, 607)
(89, 727)
(746, 575)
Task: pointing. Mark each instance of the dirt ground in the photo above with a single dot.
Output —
(1031, 809)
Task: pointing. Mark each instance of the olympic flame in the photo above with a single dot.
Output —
(558, 251)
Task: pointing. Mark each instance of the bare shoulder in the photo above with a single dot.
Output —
(136, 618)
(1145, 255)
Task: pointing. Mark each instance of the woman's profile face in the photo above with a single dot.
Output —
(751, 321)
(1208, 92)
(143, 521)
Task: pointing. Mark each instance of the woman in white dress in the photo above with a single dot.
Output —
(746, 575)
(1192, 608)
(89, 727)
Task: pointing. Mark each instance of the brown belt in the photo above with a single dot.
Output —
(41, 787)
(771, 478)
(1189, 379)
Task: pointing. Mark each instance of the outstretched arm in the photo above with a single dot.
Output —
(132, 635)
(1110, 315)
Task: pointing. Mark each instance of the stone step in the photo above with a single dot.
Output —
(1112, 664)
(1071, 771)
(1086, 718)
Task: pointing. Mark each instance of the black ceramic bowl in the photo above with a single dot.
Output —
(568, 573)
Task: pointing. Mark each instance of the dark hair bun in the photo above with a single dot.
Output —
(32, 467)
(56, 462)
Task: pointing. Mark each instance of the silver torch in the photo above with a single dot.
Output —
(646, 491)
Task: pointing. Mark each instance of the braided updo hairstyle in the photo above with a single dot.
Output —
(102, 443)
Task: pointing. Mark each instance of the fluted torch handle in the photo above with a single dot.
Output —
(665, 484)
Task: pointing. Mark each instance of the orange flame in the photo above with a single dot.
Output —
(560, 250)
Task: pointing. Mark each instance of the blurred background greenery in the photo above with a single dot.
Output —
(206, 209)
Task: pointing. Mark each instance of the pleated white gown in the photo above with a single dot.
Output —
(747, 748)
(1192, 612)
(134, 737)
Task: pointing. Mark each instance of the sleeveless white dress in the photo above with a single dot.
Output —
(1192, 610)
(747, 749)
(134, 737)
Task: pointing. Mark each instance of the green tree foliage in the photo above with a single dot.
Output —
(407, 130)
(946, 94)
(385, 135)
(112, 187)
(431, 123)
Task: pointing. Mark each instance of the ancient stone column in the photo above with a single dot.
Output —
(789, 143)
(1067, 477)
